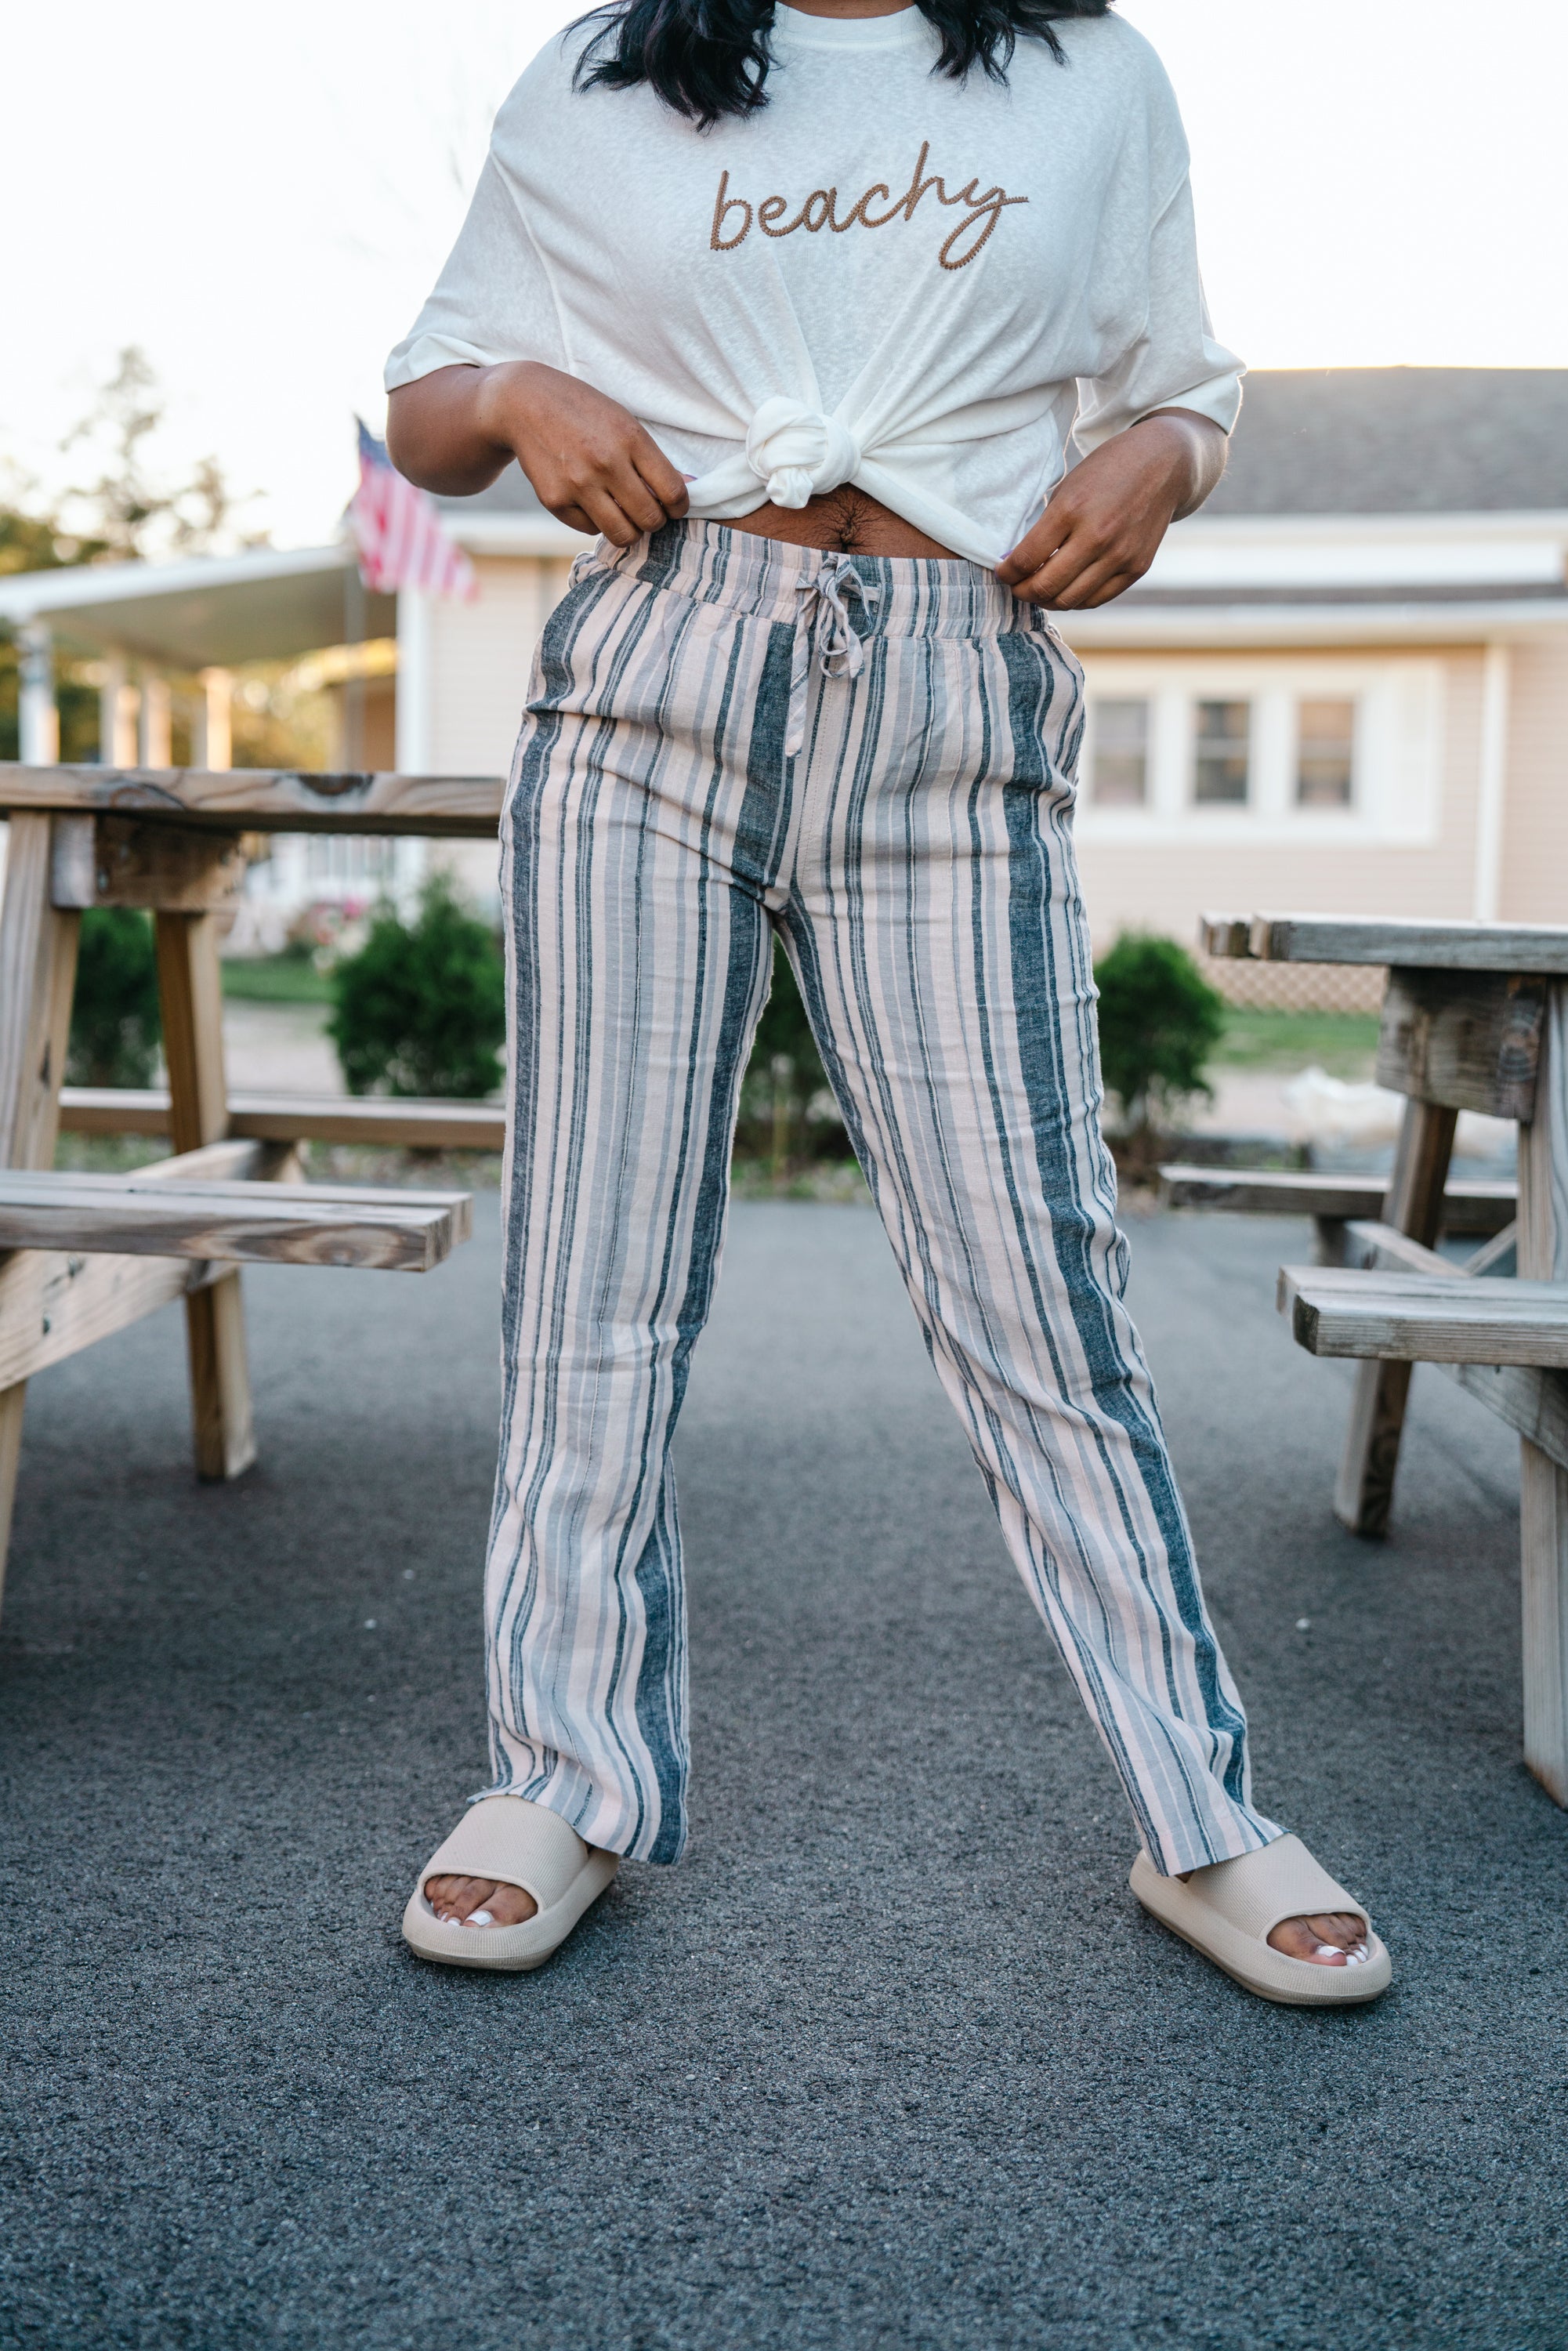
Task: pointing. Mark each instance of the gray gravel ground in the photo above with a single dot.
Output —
(893, 2058)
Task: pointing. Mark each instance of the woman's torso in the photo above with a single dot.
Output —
(885, 283)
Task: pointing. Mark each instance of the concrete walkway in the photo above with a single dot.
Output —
(893, 2059)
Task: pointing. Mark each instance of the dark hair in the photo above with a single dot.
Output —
(708, 58)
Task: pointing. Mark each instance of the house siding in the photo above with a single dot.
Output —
(1164, 885)
(1535, 824)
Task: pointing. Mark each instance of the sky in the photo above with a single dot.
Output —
(261, 197)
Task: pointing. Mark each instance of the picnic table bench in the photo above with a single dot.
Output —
(1475, 1017)
(83, 1256)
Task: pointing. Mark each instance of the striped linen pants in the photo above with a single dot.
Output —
(724, 737)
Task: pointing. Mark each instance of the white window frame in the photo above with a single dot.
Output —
(1397, 789)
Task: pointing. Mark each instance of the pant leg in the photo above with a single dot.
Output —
(940, 938)
(635, 847)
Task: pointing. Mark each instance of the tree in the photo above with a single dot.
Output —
(421, 1009)
(1159, 1022)
(131, 510)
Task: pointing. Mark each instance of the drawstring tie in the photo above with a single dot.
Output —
(822, 627)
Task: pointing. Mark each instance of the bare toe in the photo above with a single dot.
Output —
(508, 1906)
(1334, 1940)
(478, 1901)
(456, 1898)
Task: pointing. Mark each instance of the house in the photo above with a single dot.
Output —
(1344, 687)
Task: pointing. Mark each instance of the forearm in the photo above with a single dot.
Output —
(593, 465)
(1206, 445)
(445, 432)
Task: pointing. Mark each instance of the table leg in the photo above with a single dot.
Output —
(1543, 1487)
(38, 975)
(191, 994)
(1364, 1492)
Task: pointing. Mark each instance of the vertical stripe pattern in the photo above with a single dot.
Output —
(916, 854)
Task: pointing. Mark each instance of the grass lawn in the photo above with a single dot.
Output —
(276, 979)
(1342, 1043)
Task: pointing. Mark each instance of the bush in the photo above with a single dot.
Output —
(787, 1112)
(114, 1012)
(1159, 1022)
(421, 1009)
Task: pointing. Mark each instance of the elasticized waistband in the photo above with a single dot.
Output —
(908, 595)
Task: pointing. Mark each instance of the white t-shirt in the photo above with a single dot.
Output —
(885, 276)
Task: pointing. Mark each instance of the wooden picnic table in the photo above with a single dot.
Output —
(1475, 1017)
(82, 1256)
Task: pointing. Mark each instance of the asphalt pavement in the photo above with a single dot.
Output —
(891, 2058)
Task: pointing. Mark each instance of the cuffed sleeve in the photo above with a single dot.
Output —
(492, 301)
(1174, 361)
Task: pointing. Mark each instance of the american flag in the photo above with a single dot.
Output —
(398, 531)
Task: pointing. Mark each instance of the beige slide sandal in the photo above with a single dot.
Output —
(1228, 1910)
(513, 1841)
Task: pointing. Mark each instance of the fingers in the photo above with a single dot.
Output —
(660, 476)
(620, 482)
(1072, 562)
(622, 519)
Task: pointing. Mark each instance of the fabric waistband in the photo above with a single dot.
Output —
(904, 595)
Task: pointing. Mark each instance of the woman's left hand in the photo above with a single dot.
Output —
(1103, 522)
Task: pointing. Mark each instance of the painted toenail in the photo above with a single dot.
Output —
(481, 1919)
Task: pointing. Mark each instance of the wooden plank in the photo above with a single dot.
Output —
(284, 1224)
(230, 1162)
(1470, 1040)
(53, 1303)
(1435, 946)
(1543, 1479)
(1224, 935)
(38, 974)
(111, 861)
(1363, 1489)
(1468, 1207)
(1410, 1317)
(12, 1406)
(265, 800)
(1499, 1255)
(413, 1125)
(190, 994)
(1534, 1401)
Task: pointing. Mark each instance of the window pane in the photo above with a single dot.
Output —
(1223, 751)
(1121, 753)
(1325, 759)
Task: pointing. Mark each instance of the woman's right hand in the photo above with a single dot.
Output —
(593, 465)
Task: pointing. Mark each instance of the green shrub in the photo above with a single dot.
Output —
(1159, 1022)
(787, 1112)
(114, 1012)
(421, 1009)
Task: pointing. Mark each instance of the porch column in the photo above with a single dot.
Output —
(154, 729)
(1491, 783)
(416, 699)
(39, 717)
(415, 726)
(116, 715)
(212, 744)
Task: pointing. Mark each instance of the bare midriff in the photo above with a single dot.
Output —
(843, 521)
